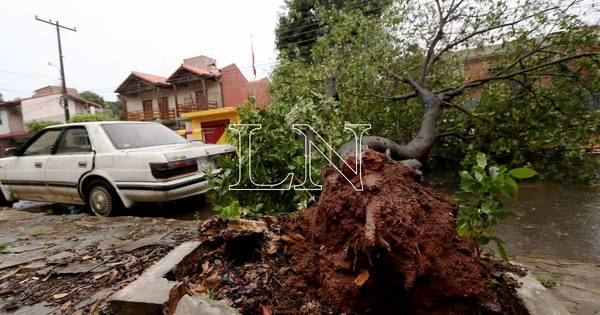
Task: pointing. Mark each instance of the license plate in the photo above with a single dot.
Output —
(204, 165)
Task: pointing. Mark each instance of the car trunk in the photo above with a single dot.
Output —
(203, 153)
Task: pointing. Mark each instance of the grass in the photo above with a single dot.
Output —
(3, 247)
(548, 281)
(37, 232)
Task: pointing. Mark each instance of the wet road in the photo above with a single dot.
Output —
(185, 210)
(555, 220)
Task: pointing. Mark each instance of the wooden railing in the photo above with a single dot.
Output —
(194, 107)
(152, 115)
(157, 114)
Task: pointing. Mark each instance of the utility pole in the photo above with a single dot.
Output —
(65, 99)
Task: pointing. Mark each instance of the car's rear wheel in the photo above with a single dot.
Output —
(102, 199)
(4, 202)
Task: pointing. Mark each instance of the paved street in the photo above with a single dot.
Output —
(55, 261)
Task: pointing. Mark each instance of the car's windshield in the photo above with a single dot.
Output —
(129, 136)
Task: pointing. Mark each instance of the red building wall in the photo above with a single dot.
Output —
(233, 86)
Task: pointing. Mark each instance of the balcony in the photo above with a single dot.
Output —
(195, 107)
(155, 114)
(169, 114)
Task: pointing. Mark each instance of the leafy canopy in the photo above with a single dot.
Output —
(519, 81)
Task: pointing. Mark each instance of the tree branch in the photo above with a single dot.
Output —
(486, 30)
(453, 92)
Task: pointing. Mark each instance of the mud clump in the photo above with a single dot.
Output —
(391, 248)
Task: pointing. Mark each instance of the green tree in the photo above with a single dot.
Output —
(92, 117)
(115, 106)
(34, 126)
(406, 73)
(92, 97)
(303, 23)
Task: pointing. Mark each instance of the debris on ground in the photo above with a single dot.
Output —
(389, 249)
(80, 261)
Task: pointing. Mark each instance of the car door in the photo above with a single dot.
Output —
(72, 158)
(25, 178)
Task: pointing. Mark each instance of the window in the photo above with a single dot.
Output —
(43, 144)
(74, 140)
(129, 136)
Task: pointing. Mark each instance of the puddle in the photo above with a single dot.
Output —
(558, 220)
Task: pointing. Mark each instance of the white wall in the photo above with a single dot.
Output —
(4, 123)
(44, 108)
(49, 108)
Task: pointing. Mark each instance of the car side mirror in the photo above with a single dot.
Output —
(11, 152)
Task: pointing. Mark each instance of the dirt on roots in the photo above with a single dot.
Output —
(391, 248)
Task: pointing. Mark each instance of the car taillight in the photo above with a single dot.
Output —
(174, 168)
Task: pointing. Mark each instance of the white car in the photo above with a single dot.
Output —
(107, 166)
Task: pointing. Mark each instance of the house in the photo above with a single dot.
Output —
(12, 129)
(45, 104)
(197, 85)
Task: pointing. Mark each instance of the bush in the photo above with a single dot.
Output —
(276, 151)
(92, 117)
(37, 125)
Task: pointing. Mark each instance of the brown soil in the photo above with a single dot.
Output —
(389, 249)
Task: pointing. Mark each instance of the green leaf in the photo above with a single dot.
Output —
(510, 188)
(522, 172)
(481, 160)
(501, 249)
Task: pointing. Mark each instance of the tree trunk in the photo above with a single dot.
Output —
(418, 147)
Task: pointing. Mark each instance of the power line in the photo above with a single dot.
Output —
(14, 91)
(27, 74)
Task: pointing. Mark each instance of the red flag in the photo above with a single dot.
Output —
(253, 67)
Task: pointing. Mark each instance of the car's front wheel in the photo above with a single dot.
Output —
(102, 199)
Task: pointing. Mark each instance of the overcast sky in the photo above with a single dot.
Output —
(115, 37)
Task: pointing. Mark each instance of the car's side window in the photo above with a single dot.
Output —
(43, 144)
(74, 140)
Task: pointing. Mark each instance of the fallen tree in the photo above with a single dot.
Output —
(392, 248)
(524, 43)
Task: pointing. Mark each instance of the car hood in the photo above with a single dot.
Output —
(176, 152)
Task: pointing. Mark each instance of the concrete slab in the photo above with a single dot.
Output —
(61, 258)
(149, 240)
(77, 267)
(150, 291)
(20, 259)
(192, 305)
(537, 299)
